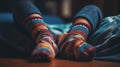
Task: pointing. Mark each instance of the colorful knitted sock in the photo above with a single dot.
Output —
(73, 45)
(46, 48)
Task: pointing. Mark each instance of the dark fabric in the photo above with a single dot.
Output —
(106, 39)
(23, 8)
(92, 13)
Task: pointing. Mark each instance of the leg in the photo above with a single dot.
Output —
(29, 18)
(73, 45)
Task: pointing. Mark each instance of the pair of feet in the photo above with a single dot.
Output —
(71, 45)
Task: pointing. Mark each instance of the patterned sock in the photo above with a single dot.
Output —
(73, 45)
(46, 48)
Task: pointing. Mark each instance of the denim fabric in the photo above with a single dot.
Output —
(23, 8)
(106, 39)
(92, 13)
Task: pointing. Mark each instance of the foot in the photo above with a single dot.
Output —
(46, 48)
(75, 48)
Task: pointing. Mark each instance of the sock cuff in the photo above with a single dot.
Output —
(81, 23)
(33, 22)
(82, 28)
(29, 19)
(91, 21)
(37, 27)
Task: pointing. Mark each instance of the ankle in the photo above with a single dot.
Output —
(82, 21)
(82, 27)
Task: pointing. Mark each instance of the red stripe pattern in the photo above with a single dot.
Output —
(46, 48)
(72, 45)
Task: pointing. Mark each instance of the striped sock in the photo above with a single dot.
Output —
(46, 48)
(73, 46)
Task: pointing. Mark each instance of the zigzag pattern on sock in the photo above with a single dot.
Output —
(46, 48)
(73, 45)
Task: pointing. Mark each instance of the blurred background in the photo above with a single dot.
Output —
(67, 9)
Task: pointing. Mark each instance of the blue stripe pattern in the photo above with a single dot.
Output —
(33, 21)
(80, 27)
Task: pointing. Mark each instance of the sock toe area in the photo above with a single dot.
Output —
(42, 54)
(86, 52)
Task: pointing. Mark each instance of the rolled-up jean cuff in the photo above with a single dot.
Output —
(24, 8)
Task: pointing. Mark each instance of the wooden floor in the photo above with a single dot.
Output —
(11, 62)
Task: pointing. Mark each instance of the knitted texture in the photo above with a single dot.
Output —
(73, 45)
(46, 48)
(74, 48)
